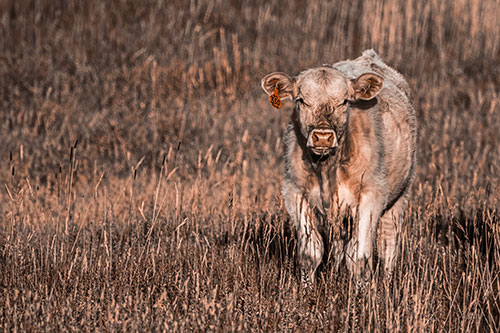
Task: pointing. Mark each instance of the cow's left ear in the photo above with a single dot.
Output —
(366, 86)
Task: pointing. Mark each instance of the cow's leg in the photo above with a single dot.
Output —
(390, 226)
(310, 244)
(360, 247)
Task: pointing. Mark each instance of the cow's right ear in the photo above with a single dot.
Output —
(278, 80)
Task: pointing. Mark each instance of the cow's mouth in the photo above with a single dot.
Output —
(320, 151)
(320, 154)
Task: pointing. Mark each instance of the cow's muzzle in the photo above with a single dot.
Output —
(322, 141)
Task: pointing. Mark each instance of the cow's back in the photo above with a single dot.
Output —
(371, 62)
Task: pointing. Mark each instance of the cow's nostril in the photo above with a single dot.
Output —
(315, 137)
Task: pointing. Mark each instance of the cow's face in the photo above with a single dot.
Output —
(321, 99)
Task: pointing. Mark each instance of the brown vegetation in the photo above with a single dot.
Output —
(141, 165)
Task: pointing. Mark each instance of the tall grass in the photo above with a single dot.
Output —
(141, 166)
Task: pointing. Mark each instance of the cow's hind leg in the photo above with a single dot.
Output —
(389, 229)
(310, 244)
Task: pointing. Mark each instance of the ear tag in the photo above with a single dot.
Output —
(275, 100)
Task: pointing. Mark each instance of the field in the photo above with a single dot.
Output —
(141, 166)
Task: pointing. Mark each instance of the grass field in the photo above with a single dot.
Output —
(141, 166)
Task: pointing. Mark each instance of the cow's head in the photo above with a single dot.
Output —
(321, 99)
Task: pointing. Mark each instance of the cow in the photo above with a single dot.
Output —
(349, 151)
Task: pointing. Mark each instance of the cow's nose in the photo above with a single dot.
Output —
(323, 138)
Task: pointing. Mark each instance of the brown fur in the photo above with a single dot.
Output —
(368, 105)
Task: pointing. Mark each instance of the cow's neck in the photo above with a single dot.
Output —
(323, 169)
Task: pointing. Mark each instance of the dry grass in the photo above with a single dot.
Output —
(141, 165)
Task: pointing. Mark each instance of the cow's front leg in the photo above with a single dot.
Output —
(310, 244)
(360, 247)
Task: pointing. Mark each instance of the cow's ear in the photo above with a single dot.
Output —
(366, 86)
(282, 82)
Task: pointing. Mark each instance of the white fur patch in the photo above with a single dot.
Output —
(369, 213)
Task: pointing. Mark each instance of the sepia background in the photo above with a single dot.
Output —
(141, 165)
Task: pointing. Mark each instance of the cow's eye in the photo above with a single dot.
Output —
(301, 103)
(344, 103)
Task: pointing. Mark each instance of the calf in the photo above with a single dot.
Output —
(349, 150)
